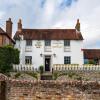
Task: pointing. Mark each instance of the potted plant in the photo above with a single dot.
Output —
(41, 69)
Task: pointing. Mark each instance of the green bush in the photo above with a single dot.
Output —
(17, 75)
(8, 57)
(79, 78)
(41, 69)
(33, 74)
(91, 62)
(71, 74)
(55, 75)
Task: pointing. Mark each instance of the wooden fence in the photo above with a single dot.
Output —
(59, 67)
(62, 67)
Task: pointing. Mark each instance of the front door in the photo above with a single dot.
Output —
(47, 63)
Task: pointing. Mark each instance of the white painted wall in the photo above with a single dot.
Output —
(57, 47)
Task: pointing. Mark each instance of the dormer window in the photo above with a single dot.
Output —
(28, 42)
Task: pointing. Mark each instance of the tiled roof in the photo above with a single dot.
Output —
(2, 32)
(49, 34)
(91, 53)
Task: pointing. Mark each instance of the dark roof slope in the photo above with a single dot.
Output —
(2, 32)
(49, 34)
(91, 53)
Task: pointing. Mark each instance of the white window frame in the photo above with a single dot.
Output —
(67, 59)
(28, 59)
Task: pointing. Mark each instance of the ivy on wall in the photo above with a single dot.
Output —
(8, 56)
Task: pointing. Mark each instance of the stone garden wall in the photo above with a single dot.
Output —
(52, 90)
(49, 89)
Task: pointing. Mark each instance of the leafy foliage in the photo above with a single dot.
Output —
(17, 75)
(33, 74)
(8, 56)
(91, 62)
(41, 69)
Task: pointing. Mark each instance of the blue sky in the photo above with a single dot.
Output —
(55, 14)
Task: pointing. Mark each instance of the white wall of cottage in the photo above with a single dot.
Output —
(57, 47)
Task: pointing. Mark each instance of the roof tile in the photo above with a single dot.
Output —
(50, 34)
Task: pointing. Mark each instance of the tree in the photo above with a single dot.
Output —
(8, 57)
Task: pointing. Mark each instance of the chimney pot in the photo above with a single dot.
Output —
(9, 19)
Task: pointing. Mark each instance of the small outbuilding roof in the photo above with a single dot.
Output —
(91, 53)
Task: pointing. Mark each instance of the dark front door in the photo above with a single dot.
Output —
(47, 63)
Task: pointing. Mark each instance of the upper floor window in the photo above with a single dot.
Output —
(28, 59)
(28, 42)
(67, 60)
(47, 42)
(66, 42)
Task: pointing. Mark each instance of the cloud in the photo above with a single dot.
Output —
(66, 3)
(55, 14)
(1, 14)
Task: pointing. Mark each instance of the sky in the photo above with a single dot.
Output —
(55, 14)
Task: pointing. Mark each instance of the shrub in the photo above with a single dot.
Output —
(71, 74)
(55, 75)
(17, 75)
(41, 69)
(79, 78)
(8, 56)
(91, 62)
(33, 74)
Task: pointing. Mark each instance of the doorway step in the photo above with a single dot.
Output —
(47, 76)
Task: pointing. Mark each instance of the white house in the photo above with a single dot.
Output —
(49, 46)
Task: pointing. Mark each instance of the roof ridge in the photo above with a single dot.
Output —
(46, 29)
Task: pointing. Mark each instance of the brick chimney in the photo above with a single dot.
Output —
(9, 27)
(77, 27)
(19, 25)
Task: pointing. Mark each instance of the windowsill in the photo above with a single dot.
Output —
(28, 49)
(47, 49)
(67, 49)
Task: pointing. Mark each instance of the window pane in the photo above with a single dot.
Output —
(47, 42)
(67, 60)
(66, 42)
(28, 59)
(28, 42)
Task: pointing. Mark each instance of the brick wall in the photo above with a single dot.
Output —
(1, 40)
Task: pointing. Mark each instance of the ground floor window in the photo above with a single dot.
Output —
(91, 61)
(67, 60)
(28, 59)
